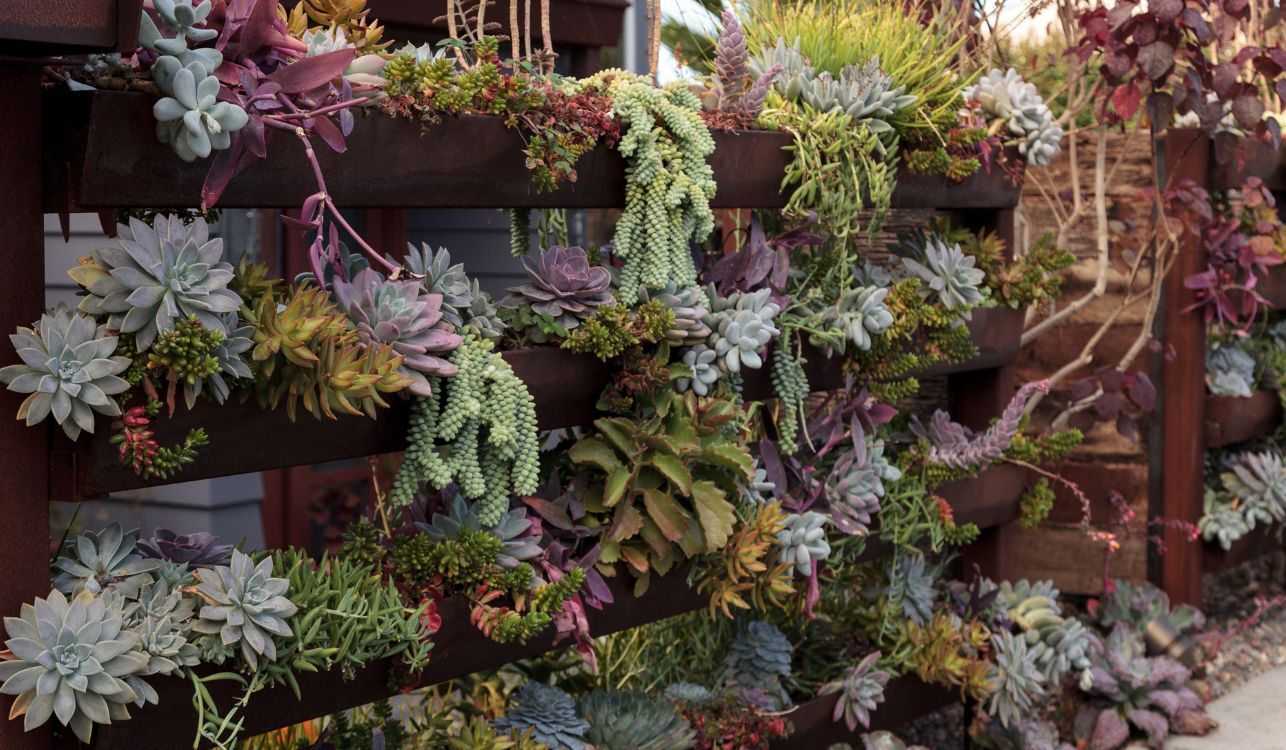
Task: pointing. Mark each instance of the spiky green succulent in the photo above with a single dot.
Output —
(633, 721)
(157, 275)
(439, 276)
(95, 561)
(404, 316)
(803, 541)
(860, 689)
(232, 365)
(1015, 679)
(68, 368)
(71, 658)
(949, 274)
(550, 715)
(244, 606)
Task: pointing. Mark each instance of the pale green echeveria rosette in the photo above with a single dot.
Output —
(68, 368)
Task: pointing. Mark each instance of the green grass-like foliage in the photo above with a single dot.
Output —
(835, 33)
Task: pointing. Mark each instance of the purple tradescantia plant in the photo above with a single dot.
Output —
(198, 550)
(563, 285)
(402, 314)
(952, 444)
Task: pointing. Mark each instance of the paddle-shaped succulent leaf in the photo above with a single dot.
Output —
(156, 276)
(95, 561)
(70, 661)
(191, 119)
(803, 541)
(404, 316)
(68, 368)
(245, 606)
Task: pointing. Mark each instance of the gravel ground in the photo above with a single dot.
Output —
(1230, 599)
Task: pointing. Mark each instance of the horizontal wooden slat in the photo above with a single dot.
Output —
(905, 698)
(1235, 419)
(105, 154)
(43, 28)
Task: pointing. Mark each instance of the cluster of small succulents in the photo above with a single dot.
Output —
(858, 315)
(400, 314)
(864, 93)
(857, 484)
(1017, 683)
(803, 541)
(690, 310)
(1247, 491)
(741, 327)
(1059, 645)
(518, 534)
(102, 560)
(1006, 96)
(1230, 371)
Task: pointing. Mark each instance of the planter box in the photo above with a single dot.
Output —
(1273, 286)
(1249, 158)
(1260, 542)
(582, 23)
(41, 28)
(997, 332)
(1234, 419)
(460, 649)
(105, 155)
(905, 698)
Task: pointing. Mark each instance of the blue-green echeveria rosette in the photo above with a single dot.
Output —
(949, 273)
(70, 660)
(157, 275)
(108, 559)
(244, 606)
(549, 713)
(402, 314)
(68, 368)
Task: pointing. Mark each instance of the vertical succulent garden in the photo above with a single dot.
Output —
(807, 517)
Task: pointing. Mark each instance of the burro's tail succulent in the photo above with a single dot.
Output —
(70, 661)
(68, 368)
(403, 315)
(245, 606)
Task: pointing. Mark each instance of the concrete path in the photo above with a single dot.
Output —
(1253, 717)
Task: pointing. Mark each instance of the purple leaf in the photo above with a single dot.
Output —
(1142, 392)
(1126, 427)
(1156, 60)
(312, 72)
(774, 470)
(550, 512)
(1193, 19)
(328, 132)
(1165, 11)
(1081, 389)
(1108, 405)
(1160, 108)
(1110, 731)
(1248, 110)
(225, 165)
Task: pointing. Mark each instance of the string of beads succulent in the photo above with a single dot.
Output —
(480, 434)
(669, 184)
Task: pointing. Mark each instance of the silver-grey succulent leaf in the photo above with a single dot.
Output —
(1230, 371)
(860, 690)
(864, 93)
(68, 369)
(1258, 480)
(70, 660)
(514, 529)
(688, 692)
(439, 276)
(98, 561)
(1008, 97)
(549, 713)
(856, 485)
(803, 541)
(1059, 645)
(759, 489)
(1016, 681)
(190, 118)
(402, 314)
(244, 606)
(156, 276)
(859, 315)
(183, 16)
(949, 274)
(741, 327)
(701, 360)
(1221, 521)
(796, 71)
